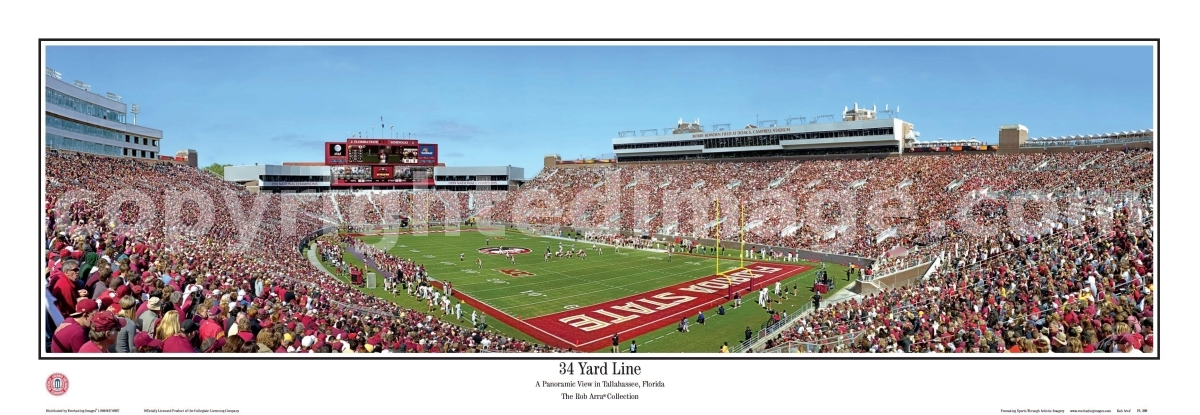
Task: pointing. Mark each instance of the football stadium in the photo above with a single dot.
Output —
(841, 233)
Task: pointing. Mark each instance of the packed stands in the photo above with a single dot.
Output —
(1043, 251)
(823, 205)
(217, 279)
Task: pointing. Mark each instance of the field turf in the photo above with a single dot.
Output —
(581, 302)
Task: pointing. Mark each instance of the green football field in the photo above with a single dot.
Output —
(539, 298)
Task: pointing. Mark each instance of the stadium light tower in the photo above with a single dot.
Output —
(53, 73)
(82, 85)
(135, 110)
(800, 120)
(720, 127)
(818, 118)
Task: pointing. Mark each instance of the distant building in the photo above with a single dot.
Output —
(188, 157)
(82, 121)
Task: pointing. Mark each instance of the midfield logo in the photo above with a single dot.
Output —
(506, 250)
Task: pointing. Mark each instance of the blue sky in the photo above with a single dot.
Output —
(508, 105)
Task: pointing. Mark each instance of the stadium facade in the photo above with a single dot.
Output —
(858, 132)
(310, 177)
(276, 179)
(79, 120)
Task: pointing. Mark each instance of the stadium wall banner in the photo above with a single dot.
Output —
(335, 153)
(471, 183)
(294, 184)
(427, 153)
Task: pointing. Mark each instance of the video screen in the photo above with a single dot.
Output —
(381, 154)
(379, 174)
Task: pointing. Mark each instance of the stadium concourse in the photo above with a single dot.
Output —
(1075, 279)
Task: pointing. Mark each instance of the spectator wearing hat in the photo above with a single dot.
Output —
(283, 345)
(144, 343)
(146, 318)
(1125, 344)
(89, 263)
(1058, 343)
(71, 335)
(210, 328)
(103, 335)
(125, 339)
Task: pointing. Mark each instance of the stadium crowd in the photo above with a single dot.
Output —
(156, 257)
(137, 263)
(1084, 288)
(865, 207)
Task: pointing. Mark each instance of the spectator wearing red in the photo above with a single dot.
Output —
(181, 342)
(144, 343)
(71, 335)
(103, 335)
(210, 328)
(64, 289)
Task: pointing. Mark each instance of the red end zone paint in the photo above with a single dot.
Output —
(591, 328)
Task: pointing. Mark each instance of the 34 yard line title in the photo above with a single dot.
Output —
(617, 368)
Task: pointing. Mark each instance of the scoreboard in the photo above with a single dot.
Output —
(382, 175)
(380, 152)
